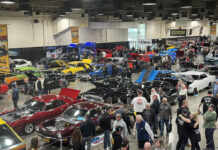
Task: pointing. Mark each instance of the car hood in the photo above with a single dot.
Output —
(99, 85)
(72, 93)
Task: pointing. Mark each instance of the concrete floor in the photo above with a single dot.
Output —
(170, 141)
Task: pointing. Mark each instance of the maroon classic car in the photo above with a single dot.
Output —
(38, 109)
(63, 126)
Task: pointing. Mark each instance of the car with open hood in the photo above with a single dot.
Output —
(63, 126)
(24, 119)
(9, 139)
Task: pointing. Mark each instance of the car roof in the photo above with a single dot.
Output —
(89, 105)
(191, 73)
(76, 62)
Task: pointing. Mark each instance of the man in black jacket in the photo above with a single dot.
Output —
(156, 107)
(105, 124)
(148, 115)
(87, 129)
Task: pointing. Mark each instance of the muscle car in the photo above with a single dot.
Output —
(64, 125)
(24, 119)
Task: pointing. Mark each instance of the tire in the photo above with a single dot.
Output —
(109, 100)
(94, 78)
(195, 92)
(29, 128)
(209, 85)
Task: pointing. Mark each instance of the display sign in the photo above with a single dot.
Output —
(75, 34)
(213, 29)
(4, 58)
(145, 42)
(177, 32)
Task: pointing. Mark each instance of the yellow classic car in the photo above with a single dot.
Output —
(9, 140)
(74, 67)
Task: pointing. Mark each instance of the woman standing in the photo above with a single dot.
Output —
(77, 141)
(182, 94)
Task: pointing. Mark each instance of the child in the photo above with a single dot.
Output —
(117, 138)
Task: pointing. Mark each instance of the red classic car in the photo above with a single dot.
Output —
(65, 124)
(142, 57)
(107, 51)
(3, 88)
(38, 109)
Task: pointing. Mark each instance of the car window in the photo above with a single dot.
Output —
(7, 137)
(80, 65)
(202, 76)
(22, 62)
(15, 62)
(52, 105)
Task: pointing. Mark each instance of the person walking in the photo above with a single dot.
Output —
(154, 92)
(15, 94)
(148, 115)
(209, 125)
(105, 124)
(206, 101)
(87, 129)
(156, 107)
(77, 140)
(34, 144)
(139, 103)
(124, 145)
(144, 132)
(119, 122)
(126, 119)
(215, 88)
(159, 145)
(117, 138)
(161, 93)
(147, 146)
(165, 116)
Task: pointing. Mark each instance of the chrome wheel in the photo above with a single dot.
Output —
(29, 128)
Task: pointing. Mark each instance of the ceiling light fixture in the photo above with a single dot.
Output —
(185, 4)
(129, 14)
(7, 2)
(149, 2)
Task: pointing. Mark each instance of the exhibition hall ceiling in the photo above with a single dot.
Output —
(122, 10)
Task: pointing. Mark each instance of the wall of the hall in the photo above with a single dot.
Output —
(23, 32)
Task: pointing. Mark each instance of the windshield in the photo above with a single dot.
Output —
(7, 137)
(75, 113)
(195, 77)
(34, 105)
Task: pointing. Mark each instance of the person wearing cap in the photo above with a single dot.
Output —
(210, 125)
(206, 101)
(215, 88)
(165, 116)
(15, 94)
(117, 138)
(139, 103)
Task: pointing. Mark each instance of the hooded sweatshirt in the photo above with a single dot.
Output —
(122, 124)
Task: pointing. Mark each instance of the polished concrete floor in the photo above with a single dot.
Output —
(170, 141)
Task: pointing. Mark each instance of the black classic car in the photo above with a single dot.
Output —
(112, 91)
(212, 65)
(167, 87)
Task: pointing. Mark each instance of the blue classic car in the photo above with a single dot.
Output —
(170, 52)
(96, 72)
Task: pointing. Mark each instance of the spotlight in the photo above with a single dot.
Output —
(149, 2)
(7, 2)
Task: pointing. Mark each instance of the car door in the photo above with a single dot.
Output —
(22, 63)
(203, 81)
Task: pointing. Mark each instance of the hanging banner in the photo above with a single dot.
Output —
(145, 42)
(213, 29)
(75, 34)
(177, 32)
(4, 58)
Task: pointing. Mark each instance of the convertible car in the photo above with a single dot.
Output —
(167, 87)
(9, 140)
(24, 119)
(71, 119)
(74, 67)
(112, 91)
(96, 72)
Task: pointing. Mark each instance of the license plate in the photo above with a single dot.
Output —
(46, 140)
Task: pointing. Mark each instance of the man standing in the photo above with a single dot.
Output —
(139, 103)
(215, 88)
(209, 125)
(156, 107)
(119, 122)
(87, 129)
(105, 124)
(15, 94)
(144, 132)
(148, 115)
(165, 116)
(38, 86)
(206, 101)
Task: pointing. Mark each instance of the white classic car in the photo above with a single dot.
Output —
(200, 80)
(21, 63)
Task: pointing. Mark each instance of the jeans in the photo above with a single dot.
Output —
(181, 143)
(15, 103)
(39, 92)
(162, 126)
(88, 141)
(107, 140)
(209, 138)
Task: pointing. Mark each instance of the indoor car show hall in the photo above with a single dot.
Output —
(108, 74)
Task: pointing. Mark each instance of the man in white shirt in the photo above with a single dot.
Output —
(139, 103)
